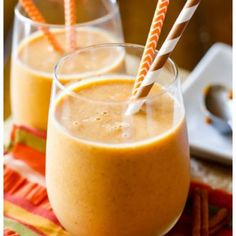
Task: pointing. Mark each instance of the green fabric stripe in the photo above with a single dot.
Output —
(18, 228)
(8, 147)
(22, 136)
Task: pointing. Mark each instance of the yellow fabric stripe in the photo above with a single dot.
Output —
(42, 224)
(31, 140)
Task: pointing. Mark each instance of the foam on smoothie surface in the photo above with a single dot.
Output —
(38, 54)
(85, 117)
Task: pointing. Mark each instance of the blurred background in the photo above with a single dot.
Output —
(211, 23)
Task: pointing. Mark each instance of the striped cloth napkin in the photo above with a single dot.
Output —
(27, 211)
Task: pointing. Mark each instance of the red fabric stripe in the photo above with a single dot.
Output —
(220, 198)
(9, 232)
(32, 192)
(37, 210)
(12, 178)
(33, 158)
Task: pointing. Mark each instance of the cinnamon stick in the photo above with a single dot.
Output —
(196, 227)
(204, 213)
(200, 225)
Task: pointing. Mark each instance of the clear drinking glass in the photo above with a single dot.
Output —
(33, 57)
(108, 173)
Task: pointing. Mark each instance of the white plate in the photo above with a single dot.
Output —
(205, 140)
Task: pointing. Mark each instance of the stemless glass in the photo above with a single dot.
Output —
(33, 57)
(108, 173)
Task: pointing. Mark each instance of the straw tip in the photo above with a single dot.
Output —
(133, 108)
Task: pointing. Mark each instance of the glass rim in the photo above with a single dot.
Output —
(96, 21)
(69, 92)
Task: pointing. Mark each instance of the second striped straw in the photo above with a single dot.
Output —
(34, 13)
(162, 56)
(70, 21)
(151, 44)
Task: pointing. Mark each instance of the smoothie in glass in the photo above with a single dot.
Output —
(121, 185)
(112, 174)
(34, 55)
(32, 74)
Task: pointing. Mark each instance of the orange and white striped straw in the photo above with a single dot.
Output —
(35, 15)
(166, 49)
(70, 21)
(151, 44)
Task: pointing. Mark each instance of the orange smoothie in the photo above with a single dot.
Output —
(112, 175)
(32, 68)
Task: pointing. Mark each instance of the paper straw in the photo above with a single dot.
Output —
(164, 53)
(70, 21)
(35, 15)
(151, 44)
